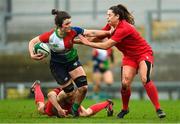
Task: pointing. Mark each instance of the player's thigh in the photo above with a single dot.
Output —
(128, 74)
(75, 69)
(145, 61)
(77, 72)
(128, 70)
(108, 77)
(145, 70)
(60, 73)
(97, 76)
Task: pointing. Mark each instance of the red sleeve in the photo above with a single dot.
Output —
(107, 27)
(45, 36)
(57, 90)
(119, 34)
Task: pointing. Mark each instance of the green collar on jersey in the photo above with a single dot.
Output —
(56, 31)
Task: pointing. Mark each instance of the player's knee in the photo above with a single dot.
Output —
(81, 82)
(41, 109)
(69, 88)
(83, 89)
(109, 81)
(125, 86)
(126, 82)
(144, 80)
(88, 112)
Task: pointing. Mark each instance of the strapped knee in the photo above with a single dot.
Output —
(68, 88)
(80, 81)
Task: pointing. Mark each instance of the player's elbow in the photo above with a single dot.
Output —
(50, 94)
(107, 44)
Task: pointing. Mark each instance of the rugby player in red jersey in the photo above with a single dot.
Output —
(64, 62)
(138, 55)
(59, 103)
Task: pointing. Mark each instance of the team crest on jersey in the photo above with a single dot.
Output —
(66, 78)
(55, 45)
(75, 64)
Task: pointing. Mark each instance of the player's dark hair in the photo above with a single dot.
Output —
(123, 13)
(60, 16)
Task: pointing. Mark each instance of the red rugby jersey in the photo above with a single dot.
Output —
(128, 39)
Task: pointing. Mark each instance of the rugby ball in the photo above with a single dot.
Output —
(41, 48)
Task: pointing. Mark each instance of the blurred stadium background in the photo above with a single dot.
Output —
(21, 20)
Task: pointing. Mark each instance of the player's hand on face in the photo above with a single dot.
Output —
(37, 56)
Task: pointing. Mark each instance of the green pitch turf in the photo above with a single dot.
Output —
(24, 111)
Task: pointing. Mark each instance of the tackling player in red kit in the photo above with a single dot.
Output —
(138, 55)
(59, 104)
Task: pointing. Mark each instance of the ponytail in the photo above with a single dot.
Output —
(54, 11)
(60, 16)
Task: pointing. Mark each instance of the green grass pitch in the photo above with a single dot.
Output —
(24, 111)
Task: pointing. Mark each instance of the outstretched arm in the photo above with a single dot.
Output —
(96, 33)
(101, 45)
(52, 97)
(91, 39)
